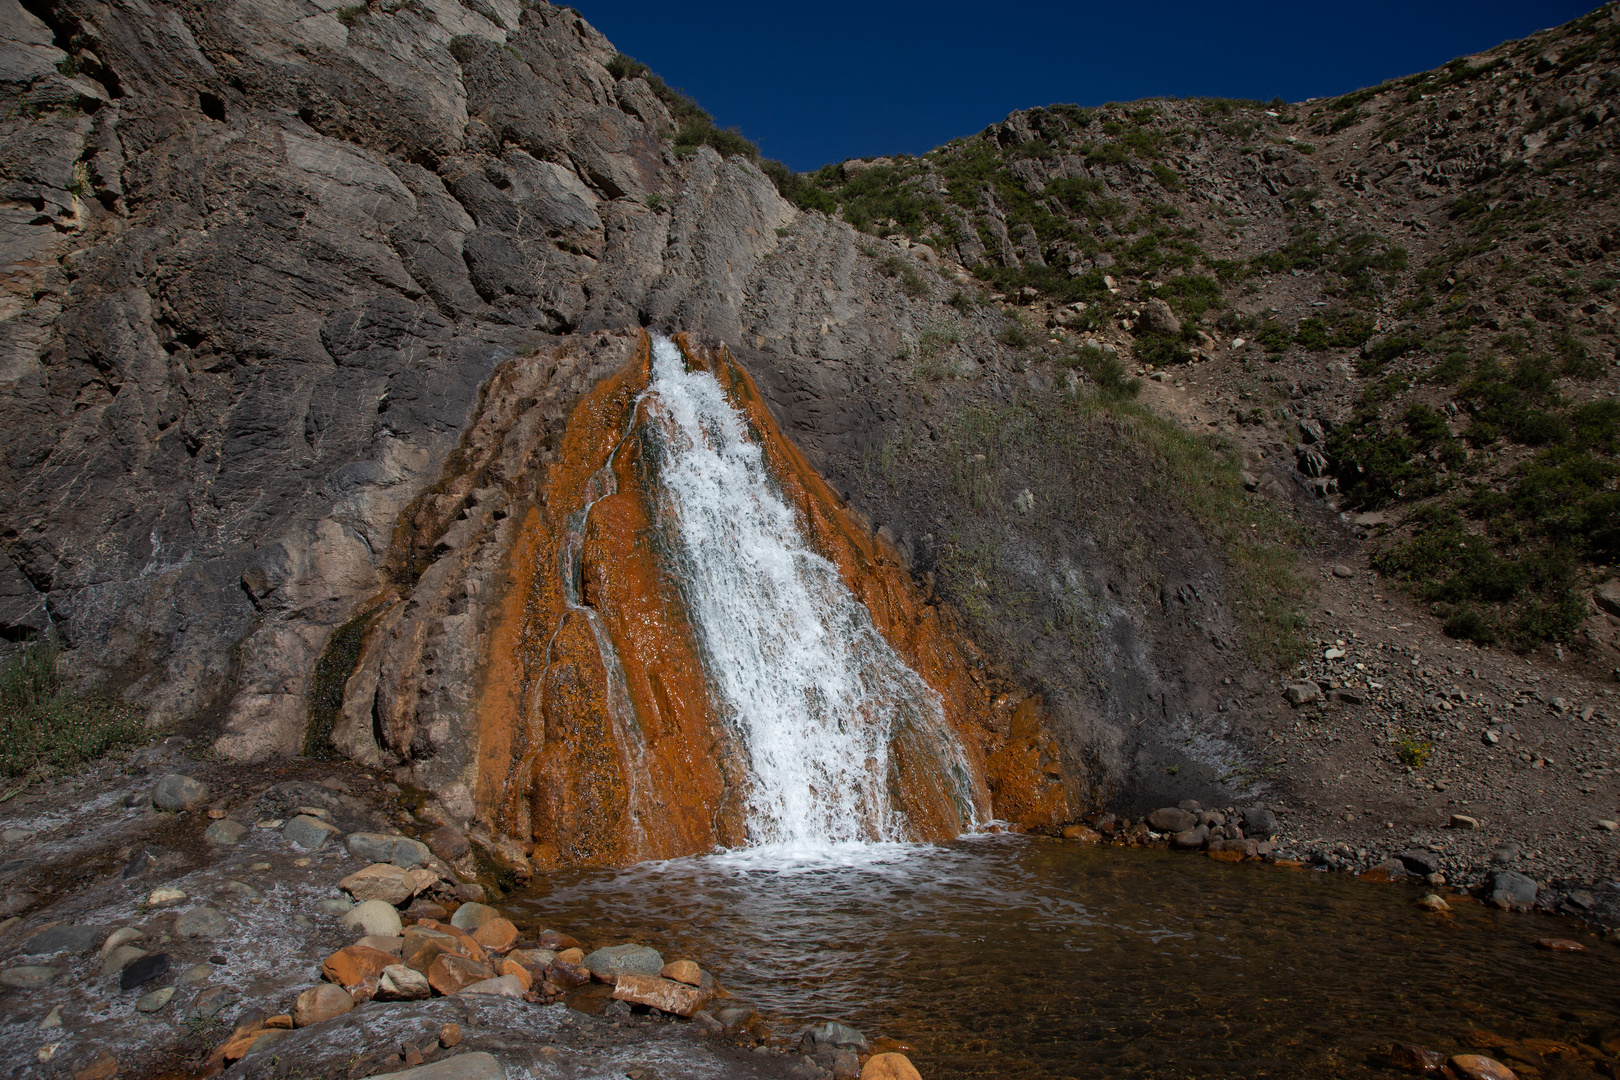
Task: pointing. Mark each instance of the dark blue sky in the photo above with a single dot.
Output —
(813, 83)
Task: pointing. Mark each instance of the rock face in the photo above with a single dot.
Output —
(302, 311)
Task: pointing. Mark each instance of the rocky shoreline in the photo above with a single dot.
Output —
(272, 921)
(1441, 858)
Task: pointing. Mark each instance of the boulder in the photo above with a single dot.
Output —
(496, 936)
(400, 983)
(309, 832)
(448, 843)
(1259, 823)
(320, 1003)
(1171, 819)
(1190, 839)
(143, 970)
(224, 832)
(204, 922)
(374, 918)
(889, 1067)
(478, 1066)
(609, 963)
(1157, 318)
(470, 917)
(1420, 861)
(449, 973)
(357, 968)
(1510, 891)
(380, 881)
(384, 848)
(683, 971)
(1302, 693)
(62, 938)
(838, 1036)
(665, 995)
(1480, 1067)
(500, 986)
(175, 792)
(1415, 1058)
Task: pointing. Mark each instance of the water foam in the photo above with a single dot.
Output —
(804, 678)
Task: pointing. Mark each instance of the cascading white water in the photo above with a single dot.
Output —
(802, 675)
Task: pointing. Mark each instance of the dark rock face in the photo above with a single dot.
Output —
(263, 264)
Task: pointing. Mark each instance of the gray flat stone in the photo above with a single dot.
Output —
(204, 922)
(29, 976)
(310, 833)
(66, 938)
(386, 848)
(176, 792)
(475, 1066)
(225, 832)
(616, 960)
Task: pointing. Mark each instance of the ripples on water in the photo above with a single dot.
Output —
(1017, 957)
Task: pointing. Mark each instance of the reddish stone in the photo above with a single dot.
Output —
(496, 936)
(450, 1036)
(566, 976)
(521, 973)
(1226, 855)
(889, 1067)
(320, 1003)
(280, 1022)
(574, 956)
(449, 973)
(1082, 833)
(683, 971)
(1559, 944)
(1415, 1058)
(1479, 1067)
(557, 941)
(665, 995)
(357, 968)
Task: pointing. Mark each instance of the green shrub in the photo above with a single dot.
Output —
(47, 728)
(1106, 372)
(1015, 335)
(350, 16)
(1467, 624)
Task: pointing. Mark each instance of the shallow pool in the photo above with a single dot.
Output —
(1021, 957)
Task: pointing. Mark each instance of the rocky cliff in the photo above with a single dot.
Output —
(300, 299)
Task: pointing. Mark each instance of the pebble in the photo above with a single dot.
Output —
(335, 905)
(164, 897)
(53, 1019)
(122, 936)
(1342, 571)
(195, 975)
(1463, 821)
(155, 1001)
(1479, 1067)
(177, 792)
(374, 918)
(116, 960)
(1559, 945)
(29, 976)
(1434, 902)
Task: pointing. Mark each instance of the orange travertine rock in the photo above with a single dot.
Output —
(597, 737)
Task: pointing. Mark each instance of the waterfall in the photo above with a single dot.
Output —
(799, 672)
